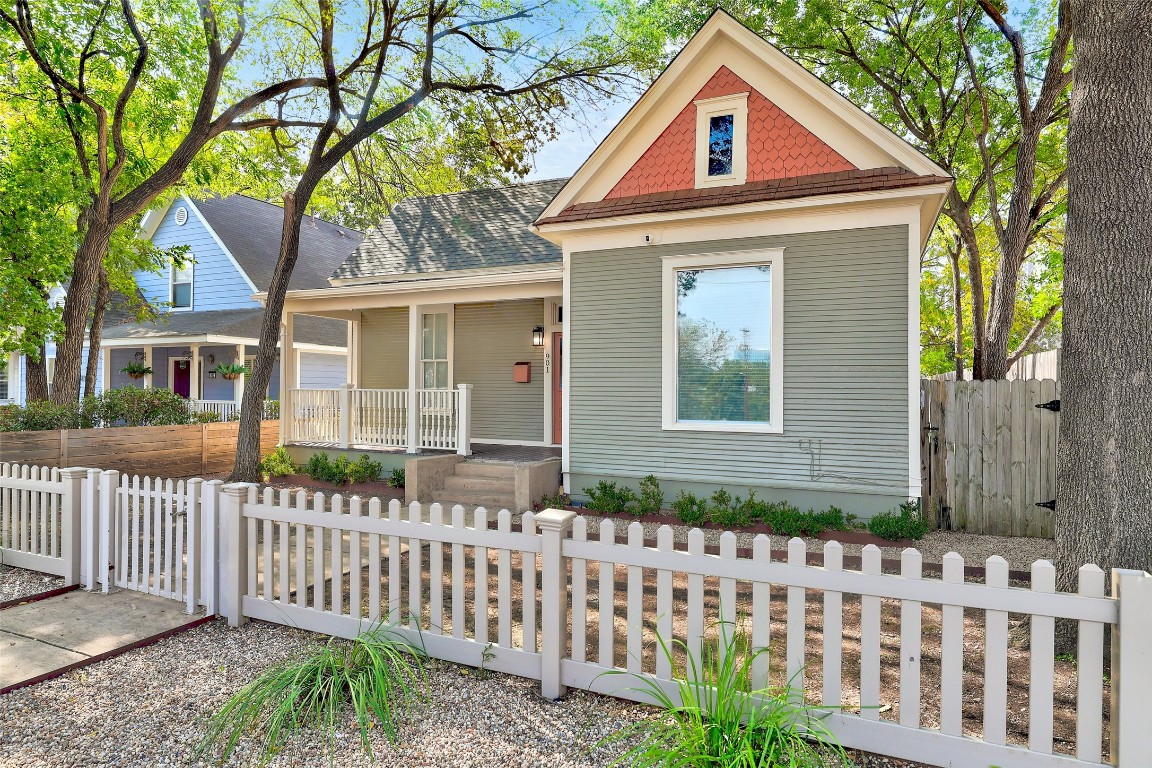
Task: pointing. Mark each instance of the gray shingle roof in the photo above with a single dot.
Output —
(481, 229)
(250, 229)
(238, 323)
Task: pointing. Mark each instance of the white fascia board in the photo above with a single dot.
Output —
(557, 232)
(151, 221)
(427, 277)
(219, 242)
(419, 286)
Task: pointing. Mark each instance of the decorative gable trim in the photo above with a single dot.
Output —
(722, 41)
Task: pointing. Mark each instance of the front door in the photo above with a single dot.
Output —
(557, 388)
(182, 377)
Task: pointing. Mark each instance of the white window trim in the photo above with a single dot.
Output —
(737, 106)
(438, 309)
(172, 289)
(773, 257)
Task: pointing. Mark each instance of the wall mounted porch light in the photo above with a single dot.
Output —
(538, 336)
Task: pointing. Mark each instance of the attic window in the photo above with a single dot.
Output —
(722, 141)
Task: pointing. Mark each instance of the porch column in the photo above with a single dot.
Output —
(413, 379)
(352, 359)
(464, 420)
(148, 362)
(238, 383)
(106, 365)
(286, 380)
(194, 374)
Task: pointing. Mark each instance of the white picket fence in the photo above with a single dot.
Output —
(544, 597)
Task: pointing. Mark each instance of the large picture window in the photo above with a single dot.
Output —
(723, 366)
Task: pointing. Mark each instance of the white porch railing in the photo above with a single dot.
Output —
(379, 418)
(227, 410)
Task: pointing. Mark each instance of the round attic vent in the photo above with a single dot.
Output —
(181, 216)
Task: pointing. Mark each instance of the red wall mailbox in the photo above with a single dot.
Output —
(522, 373)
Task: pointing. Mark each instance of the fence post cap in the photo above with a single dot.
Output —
(110, 472)
(217, 481)
(555, 519)
(464, 386)
(73, 473)
(238, 489)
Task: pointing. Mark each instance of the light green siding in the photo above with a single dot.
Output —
(845, 374)
(489, 339)
(384, 349)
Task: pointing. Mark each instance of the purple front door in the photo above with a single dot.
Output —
(182, 377)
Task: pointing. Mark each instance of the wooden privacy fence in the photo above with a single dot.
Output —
(544, 597)
(988, 455)
(168, 451)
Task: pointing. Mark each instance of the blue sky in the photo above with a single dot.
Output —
(565, 155)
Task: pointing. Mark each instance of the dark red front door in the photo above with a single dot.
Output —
(182, 377)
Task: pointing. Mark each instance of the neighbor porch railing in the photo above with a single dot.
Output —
(227, 410)
(379, 418)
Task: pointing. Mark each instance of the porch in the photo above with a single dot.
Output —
(434, 369)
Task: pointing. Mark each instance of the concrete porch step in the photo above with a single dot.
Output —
(485, 469)
(470, 483)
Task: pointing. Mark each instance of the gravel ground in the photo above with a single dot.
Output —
(1020, 552)
(147, 708)
(19, 582)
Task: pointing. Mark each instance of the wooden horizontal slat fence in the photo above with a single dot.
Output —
(171, 451)
(988, 455)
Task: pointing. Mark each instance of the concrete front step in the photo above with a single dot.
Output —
(485, 484)
(485, 469)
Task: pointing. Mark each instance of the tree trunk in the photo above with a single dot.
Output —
(85, 276)
(36, 377)
(957, 310)
(247, 466)
(95, 332)
(1104, 509)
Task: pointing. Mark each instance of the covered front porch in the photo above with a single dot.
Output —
(438, 365)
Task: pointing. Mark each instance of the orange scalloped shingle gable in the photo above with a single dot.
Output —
(778, 146)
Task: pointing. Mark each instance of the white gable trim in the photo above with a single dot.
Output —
(862, 139)
(219, 242)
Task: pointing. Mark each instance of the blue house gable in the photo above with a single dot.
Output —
(217, 281)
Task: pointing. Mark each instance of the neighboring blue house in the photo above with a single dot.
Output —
(210, 316)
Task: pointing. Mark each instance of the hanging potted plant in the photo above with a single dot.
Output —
(136, 369)
(231, 371)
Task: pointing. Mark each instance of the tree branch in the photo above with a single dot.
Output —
(1034, 333)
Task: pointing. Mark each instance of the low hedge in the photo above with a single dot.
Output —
(124, 407)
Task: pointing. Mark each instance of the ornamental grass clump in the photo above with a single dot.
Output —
(379, 675)
(718, 716)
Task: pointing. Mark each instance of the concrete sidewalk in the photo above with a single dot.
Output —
(60, 633)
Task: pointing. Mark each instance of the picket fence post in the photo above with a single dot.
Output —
(210, 546)
(233, 551)
(1131, 669)
(71, 505)
(554, 525)
(109, 481)
(194, 520)
(90, 531)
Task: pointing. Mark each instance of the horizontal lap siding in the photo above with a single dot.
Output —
(384, 348)
(489, 339)
(217, 283)
(845, 368)
(322, 371)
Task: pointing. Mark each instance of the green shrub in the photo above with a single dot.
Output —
(396, 478)
(136, 407)
(321, 467)
(733, 511)
(278, 463)
(651, 498)
(610, 497)
(713, 721)
(559, 501)
(691, 509)
(364, 470)
(379, 674)
(206, 417)
(907, 523)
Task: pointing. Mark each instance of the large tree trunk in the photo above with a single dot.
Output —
(1104, 509)
(957, 309)
(36, 377)
(247, 466)
(85, 275)
(95, 332)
